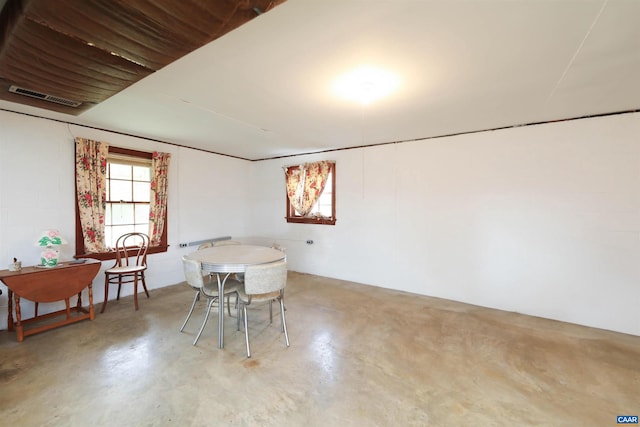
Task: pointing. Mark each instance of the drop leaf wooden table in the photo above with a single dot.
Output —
(42, 285)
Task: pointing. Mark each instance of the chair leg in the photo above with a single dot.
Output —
(193, 304)
(106, 293)
(206, 317)
(119, 286)
(246, 329)
(239, 311)
(135, 290)
(270, 312)
(284, 322)
(144, 284)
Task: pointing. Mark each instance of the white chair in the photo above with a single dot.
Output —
(282, 249)
(226, 242)
(238, 276)
(202, 246)
(208, 287)
(263, 283)
(278, 247)
(205, 245)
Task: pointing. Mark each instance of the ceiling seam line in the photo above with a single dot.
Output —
(125, 134)
(589, 116)
(575, 54)
(426, 138)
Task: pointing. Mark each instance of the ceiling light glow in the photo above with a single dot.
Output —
(366, 84)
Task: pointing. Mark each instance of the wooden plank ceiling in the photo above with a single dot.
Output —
(84, 51)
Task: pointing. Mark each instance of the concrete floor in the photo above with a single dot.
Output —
(359, 356)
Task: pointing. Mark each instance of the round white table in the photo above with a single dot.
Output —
(232, 259)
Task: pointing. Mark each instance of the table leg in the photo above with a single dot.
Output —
(221, 308)
(9, 310)
(92, 314)
(19, 330)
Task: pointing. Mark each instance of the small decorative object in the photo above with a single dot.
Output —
(15, 265)
(50, 240)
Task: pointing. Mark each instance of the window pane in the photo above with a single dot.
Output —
(141, 173)
(142, 228)
(120, 171)
(122, 213)
(328, 185)
(324, 205)
(108, 240)
(119, 230)
(107, 214)
(142, 214)
(141, 191)
(121, 190)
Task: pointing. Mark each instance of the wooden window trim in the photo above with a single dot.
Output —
(291, 212)
(104, 256)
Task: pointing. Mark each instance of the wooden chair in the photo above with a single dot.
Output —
(130, 265)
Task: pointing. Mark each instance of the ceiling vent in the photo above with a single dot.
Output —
(44, 96)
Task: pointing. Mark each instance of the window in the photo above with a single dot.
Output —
(127, 203)
(311, 188)
(128, 196)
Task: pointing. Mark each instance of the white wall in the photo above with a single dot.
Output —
(207, 197)
(542, 220)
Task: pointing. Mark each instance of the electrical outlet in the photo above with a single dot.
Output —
(182, 245)
(309, 242)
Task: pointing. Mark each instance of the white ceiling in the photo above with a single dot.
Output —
(264, 90)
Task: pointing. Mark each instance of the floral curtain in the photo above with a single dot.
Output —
(91, 169)
(305, 184)
(158, 205)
